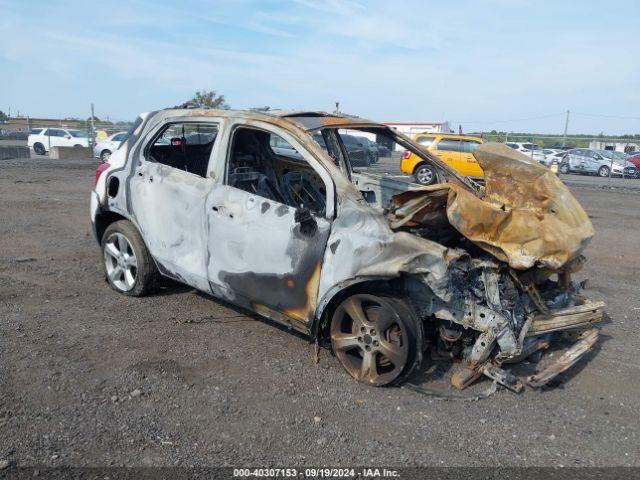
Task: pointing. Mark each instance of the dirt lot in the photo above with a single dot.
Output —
(90, 377)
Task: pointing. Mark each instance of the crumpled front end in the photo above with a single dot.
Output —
(509, 290)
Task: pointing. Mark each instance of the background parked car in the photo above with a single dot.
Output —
(455, 150)
(42, 141)
(358, 153)
(635, 160)
(595, 162)
(104, 148)
(383, 150)
(533, 150)
(281, 147)
(552, 158)
(371, 149)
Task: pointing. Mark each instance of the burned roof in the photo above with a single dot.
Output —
(316, 120)
(307, 120)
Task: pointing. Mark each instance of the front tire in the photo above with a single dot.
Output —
(377, 339)
(425, 174)
(603, 171)
(128, 265)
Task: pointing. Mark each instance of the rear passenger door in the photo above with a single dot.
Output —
(469, 165)
(449, 151)
(268, 225)
(168, 190)
(579, 160)
(56, 138)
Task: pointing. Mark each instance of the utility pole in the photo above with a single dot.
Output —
(506, 137)
(93, 130)
(566, 126)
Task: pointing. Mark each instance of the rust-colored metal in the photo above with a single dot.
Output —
(572, 317)
(465, 376)
(564, 362)
(305, 312)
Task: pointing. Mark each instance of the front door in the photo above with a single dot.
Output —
(168, 191)
(268, 225)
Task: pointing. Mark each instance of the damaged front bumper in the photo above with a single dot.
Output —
(490, 316)
(537, 340)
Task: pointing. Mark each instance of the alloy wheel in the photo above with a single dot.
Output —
(120, 261)
(424, 176)
(368, 338)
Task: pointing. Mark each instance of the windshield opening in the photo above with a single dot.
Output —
(379, 151)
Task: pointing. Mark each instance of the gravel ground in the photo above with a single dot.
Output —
(92, 378)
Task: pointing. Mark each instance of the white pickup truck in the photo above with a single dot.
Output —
(42, 139)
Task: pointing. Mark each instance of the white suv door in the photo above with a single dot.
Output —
(55, 137)
(168, 189)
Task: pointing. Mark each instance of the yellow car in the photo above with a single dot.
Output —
(454, 150)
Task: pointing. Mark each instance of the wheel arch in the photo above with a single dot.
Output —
(345, 289)
(418, 165)
(104, 218)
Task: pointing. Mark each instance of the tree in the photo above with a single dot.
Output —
(3, 116)
(208, 99)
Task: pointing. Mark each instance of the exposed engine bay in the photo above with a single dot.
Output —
(509, 289)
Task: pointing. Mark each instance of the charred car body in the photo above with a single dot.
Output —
(380, 267)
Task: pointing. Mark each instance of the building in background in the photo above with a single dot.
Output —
(25, 124)
(616, 146)
(410, 129)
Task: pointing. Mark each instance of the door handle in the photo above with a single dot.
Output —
(222, 210)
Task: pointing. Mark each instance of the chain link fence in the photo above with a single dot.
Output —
(48, 133)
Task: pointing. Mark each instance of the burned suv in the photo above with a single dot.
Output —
(377, 268)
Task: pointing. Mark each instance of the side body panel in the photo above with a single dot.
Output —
(169, 207)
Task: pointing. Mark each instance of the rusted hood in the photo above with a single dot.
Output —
(526, 215)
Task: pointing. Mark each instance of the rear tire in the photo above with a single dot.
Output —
(377, 339)
(603, 171)
(425, 174)
(128, 265)
(39, 149)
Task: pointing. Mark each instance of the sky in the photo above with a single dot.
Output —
(512, 65)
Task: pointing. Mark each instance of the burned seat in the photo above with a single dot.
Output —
(298, 191)
(249, 169)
